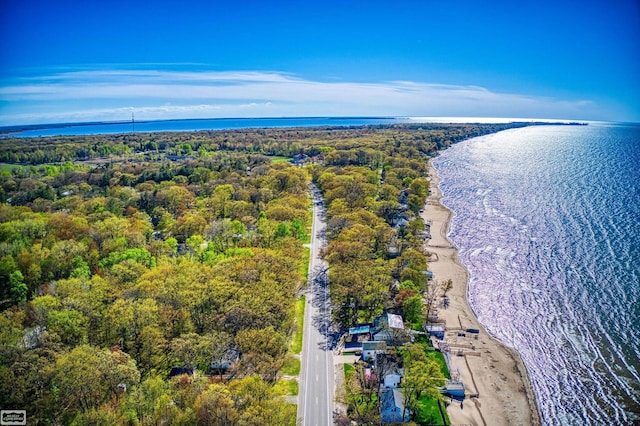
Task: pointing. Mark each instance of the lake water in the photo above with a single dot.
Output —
(547, 221)
(201, 124)
(184, 125)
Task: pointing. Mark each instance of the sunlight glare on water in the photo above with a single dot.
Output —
(547, 222)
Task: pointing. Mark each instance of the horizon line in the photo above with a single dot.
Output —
(416, 119)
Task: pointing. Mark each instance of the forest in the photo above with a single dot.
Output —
(126, 258)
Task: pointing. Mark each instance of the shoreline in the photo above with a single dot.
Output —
(497, 386)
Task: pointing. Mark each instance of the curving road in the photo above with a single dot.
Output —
(317, 384)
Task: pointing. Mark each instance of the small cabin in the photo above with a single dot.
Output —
(436, 330)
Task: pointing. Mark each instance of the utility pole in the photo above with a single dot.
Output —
(133, 124)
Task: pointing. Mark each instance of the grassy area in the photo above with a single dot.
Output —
(278, 159)
(348, 372)
(433, 354)
(6, 169)
(296, 345)
(286, 387)
(309, 227)
(438, 356)
(305, 263)
(291, 366)
(429, 413)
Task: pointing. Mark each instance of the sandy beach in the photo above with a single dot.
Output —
(496, 384)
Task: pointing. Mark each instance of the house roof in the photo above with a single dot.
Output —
(374, 345)
(435, 327)
(392, 406)
(361, 329)
(398, 398)
(230, 357)
(178, 371)
(395, 321)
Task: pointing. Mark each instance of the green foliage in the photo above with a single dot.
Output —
(286, 387)
(282, 231)
(136, 263)
(361, 394)
(80, 268)
(291, 366)
(17, 288)
(298, 230)
(87, 376)
(296, 345)
(138, 255)
(430, 411)
(422, 377)
(69, 324)
(413, 310)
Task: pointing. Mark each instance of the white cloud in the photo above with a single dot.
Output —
(157, 94)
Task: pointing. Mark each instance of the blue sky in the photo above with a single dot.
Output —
(86, 61)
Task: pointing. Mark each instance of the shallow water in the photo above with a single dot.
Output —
(547, 220)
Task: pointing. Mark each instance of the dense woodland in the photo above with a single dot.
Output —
(122, 256)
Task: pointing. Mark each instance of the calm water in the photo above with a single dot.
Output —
(547, 220)
(204, 124)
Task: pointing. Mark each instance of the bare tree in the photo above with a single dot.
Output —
(383, 365)
(430, 296)
(448, 285)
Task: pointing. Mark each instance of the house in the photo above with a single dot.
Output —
(389, 328)
(392, 409)
(388, 320)
(436, 330)
(227, 361)
(392, 380)
(299, 159)
(359, 329)
(391, 368)
(399, 221)
(371, 349)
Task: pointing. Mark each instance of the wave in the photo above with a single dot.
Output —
(547, 225)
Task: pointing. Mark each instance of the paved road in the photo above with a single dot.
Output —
(315, 403)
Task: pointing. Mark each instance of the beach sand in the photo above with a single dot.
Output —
(489, 369)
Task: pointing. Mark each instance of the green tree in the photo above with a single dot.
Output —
(262, 350)
(298, 230)
(413, 309)
(282, 231)
(257, 405)
(215, 407)
(192, 350)
(17, 288)
(423, 376)
(69, 324)
(87, 376)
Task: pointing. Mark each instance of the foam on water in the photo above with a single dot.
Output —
(547, 220)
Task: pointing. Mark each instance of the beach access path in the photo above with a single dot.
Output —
(497, 387)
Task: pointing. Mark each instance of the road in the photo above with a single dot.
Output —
(317, 384)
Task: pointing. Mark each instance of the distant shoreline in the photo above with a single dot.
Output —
(233, 123)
